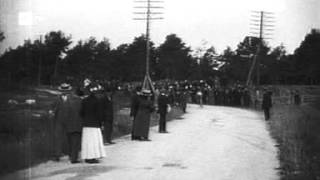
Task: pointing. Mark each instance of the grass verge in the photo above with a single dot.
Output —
(297, 131)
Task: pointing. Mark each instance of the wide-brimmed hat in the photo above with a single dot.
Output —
(146, 92)
(65, 87)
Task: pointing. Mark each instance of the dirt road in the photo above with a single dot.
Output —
(210, 143)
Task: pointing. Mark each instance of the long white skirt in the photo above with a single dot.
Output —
(92, 143)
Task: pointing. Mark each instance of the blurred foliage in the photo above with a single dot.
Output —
(53, 60)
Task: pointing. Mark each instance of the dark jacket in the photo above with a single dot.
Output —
(90, 112)
(163, 102)
(61, 111)
(73, 123)
(67, 113)
(105, 108)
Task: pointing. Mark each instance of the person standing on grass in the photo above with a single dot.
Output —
(163, 106)
(266, 104)
(92, 148)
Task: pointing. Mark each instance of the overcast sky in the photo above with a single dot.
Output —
(218, 23)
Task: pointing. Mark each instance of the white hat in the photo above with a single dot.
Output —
(146, 92)
(65, 87)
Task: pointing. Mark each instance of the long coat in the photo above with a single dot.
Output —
(73, 123)
(67, 113)
(67, 120)
(142, 119)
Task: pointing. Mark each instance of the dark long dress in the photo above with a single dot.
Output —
(142, 120)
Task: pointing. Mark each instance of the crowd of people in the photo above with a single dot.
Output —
(201, 92)
(84, 115)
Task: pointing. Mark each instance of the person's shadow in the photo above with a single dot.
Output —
(81, 172)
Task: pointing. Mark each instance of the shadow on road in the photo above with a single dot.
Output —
(81, 172)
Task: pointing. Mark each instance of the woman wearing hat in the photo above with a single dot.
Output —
(143, 115)
(92, 148)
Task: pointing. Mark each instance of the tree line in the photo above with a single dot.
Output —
(51, 59)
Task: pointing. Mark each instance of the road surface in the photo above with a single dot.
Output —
(209, 143)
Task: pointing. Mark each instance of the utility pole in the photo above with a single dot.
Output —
(40, 61)
(148, 13)
(263, 23)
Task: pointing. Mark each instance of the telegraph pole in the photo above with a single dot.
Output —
(40, 61)
(262, 22)
(147, 83)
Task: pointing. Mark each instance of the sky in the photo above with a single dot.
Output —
(201, 23)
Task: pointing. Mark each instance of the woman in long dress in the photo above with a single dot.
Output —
(92, 148)
(142, 119)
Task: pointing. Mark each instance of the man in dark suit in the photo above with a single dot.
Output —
(73, 126)
(68, 123)
(266, 104)
(163, 104)
(61, 114)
